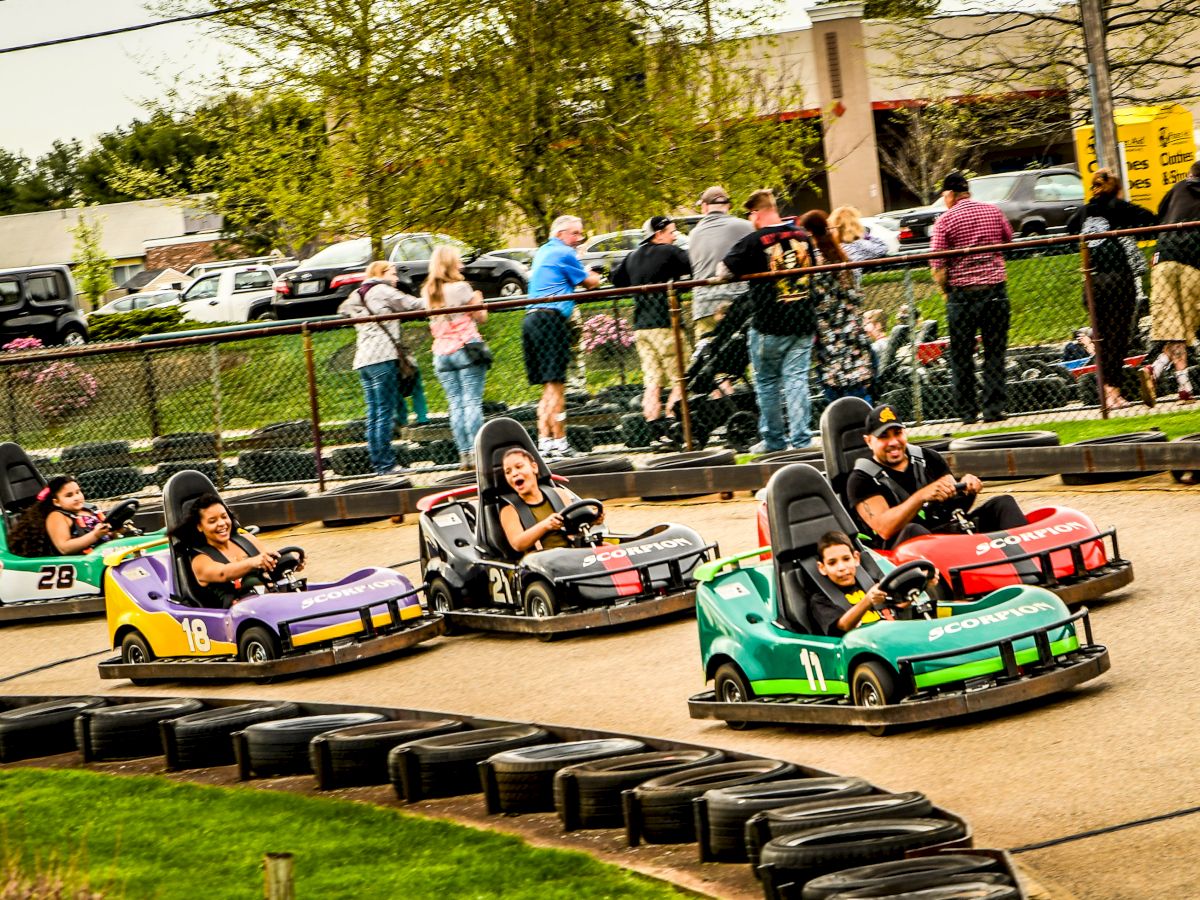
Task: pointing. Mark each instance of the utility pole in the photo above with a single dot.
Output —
(1104, 127)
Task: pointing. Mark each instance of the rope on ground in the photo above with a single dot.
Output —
(51, 665)
(1108, 829)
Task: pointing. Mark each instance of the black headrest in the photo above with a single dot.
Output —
(180, 489)
(843, 425)
(20, 480)
(495, 438)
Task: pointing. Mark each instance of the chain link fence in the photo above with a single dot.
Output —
(285, 407)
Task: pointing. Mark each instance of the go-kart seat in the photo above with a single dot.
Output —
(801, 506)
(178, 493)
(20, 480)
(843, 425)
(495, 438)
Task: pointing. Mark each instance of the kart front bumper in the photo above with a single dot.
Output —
(336, 654)
(29, 610)
(1096, 583)
(1087, 663)
(495, 619)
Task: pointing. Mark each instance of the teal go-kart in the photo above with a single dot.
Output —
(759, 646)
(46, 587)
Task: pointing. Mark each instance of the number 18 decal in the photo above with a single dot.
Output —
(812, 670)
(196, 632)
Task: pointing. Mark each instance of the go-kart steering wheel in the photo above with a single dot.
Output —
(579, 515)
(121, 514)
(290, 559)
(906, 581)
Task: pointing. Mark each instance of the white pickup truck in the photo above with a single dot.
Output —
(234, 294)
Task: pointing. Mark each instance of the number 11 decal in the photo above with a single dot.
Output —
(812, 670)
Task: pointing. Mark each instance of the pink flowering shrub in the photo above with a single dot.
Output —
(605, 334)
(59, 387)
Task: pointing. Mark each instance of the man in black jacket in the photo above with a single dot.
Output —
(1175, 281)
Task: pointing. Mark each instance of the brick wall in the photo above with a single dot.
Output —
(180, 256)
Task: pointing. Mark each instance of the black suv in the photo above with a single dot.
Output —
(39, 301)
(319, 284)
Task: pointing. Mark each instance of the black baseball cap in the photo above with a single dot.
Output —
(881, 418)
(654, 226)
(957, 182)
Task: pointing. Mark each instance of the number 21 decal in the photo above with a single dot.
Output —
(56, 577)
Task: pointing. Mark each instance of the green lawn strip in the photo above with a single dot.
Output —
(148, 837)
(1173, 424)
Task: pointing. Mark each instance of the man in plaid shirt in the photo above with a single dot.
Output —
(976, 299)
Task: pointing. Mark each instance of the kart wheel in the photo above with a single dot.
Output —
(540, 602)
(257, 645)
(874, 684)
(441, 599)
(731, 687)
(135, 650)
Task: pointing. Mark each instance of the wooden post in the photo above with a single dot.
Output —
(278, 881)
(685, 412)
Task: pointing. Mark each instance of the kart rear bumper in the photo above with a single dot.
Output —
(336, 654)
(1095, 583)
(1087, 664)
(28, 610)
(585, 620)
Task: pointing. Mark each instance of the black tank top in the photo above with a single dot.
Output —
(221, 594)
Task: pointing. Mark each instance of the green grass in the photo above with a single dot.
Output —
(1172, 424)
(146, 837)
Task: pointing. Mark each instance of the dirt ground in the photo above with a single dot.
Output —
(1120, 749)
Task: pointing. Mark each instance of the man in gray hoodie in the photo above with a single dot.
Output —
(1175, 284)
(708, 242)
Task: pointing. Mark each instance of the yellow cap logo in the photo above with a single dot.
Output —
(886, 415)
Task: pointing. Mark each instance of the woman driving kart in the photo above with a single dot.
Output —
(547, 531)
(59, 522)
(228, 563)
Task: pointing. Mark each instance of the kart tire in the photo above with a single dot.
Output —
(202, 739)
(729, 809)
(873, 683)
(539, 600)
(980, 886)
(731, 686)
(271, 466)
(581, 438)
(830, 809)
(899, 875)
(135, 649)
(665, 803)
(351, 461)
(96, 455)
(804, 855)
(1187, 476)
(598, 783)
(128, 731)
(447, 764)
(440, 598)
(281, 747)
(808, 455)
(355, 756)
(937, 444)
(206, 467)
(1132, 437)
(258, 644)
(741, 430)
(1004, 440)
(456, 479)
(525, 777)
(282, 435)
(442, 453)
(42, 729)
(697, 459)
(184, 445)
(595, 465)
(635, 431)
(100, 483)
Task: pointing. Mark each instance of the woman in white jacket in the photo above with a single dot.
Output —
(376, 356)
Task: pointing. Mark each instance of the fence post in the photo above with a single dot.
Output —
(1085, 262)
(11, 405)
(314, 404)
(914, 339)
(151, 394)
(278, 877)
(620, 350)
(685, 412)
(214, 361)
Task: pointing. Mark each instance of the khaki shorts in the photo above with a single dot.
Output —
(1174, 302)
(656, 350)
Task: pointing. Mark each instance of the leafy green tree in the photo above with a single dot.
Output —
(93, 267)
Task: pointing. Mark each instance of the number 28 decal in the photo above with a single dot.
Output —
(56, 577)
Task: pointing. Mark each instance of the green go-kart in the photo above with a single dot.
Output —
(768, 664)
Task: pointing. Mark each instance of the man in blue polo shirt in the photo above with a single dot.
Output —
(545, 335)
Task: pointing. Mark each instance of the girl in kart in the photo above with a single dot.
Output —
(228, 563)
(59, 522)
(521, 473)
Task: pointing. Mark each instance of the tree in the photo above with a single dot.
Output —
(93, 267)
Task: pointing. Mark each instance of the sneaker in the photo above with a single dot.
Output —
(466, 462)
(1146, 386)
(395, 470)
(1185, 396)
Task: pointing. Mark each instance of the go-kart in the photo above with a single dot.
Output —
(49, 586)
(758, 641)
(156, 620)
(1060, 549)
(476, 580)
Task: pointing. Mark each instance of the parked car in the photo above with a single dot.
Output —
(1036, 202)
(39, 301)
(523, 255)
(142, 300)
(883, 230)
(319, 284)
(279, 264)
(234, 294)
(604, 251)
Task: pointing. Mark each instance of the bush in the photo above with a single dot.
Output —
(130, 325)
(60, 387)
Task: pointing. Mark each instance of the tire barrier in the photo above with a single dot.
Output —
(1133, 437)
(184, 445)
(1187, 476)
(273, 466)
(522, 780)
(1003, 440)
(103, 483)
(918, 873)
(371, 485)
(808, 455)
(42, 729)
(96, 455)
(595, 465)
(128, 731)
(696, 459)
(358, 755)
(202, 739)
(282, 435)
(281, 747)
(448, 765)
(206, 467)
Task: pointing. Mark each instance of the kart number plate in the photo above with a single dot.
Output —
(730, 591)
(308, 287)
(448, 519)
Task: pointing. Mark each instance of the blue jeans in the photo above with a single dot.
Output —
(379, 386)
(463, 383)
(420, 410)
(781, 362)
(862, 391)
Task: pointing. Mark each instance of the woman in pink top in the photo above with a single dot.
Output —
(460, 356)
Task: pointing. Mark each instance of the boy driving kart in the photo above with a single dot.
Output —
(838, 561)
(903, 491)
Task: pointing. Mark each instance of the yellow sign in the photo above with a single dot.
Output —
(1159, 146)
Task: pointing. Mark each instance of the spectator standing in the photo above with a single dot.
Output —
(855, 238)
(1117, 269)
(545, 334)
(460, 356)
(976, 296)
(378, 349)
(654, 261)
(843, 347)
(708, 242)
(1175, 282)
(783, 322)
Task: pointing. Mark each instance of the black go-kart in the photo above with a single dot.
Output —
(476, 580)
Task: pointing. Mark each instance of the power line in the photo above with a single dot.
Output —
(54, 42)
